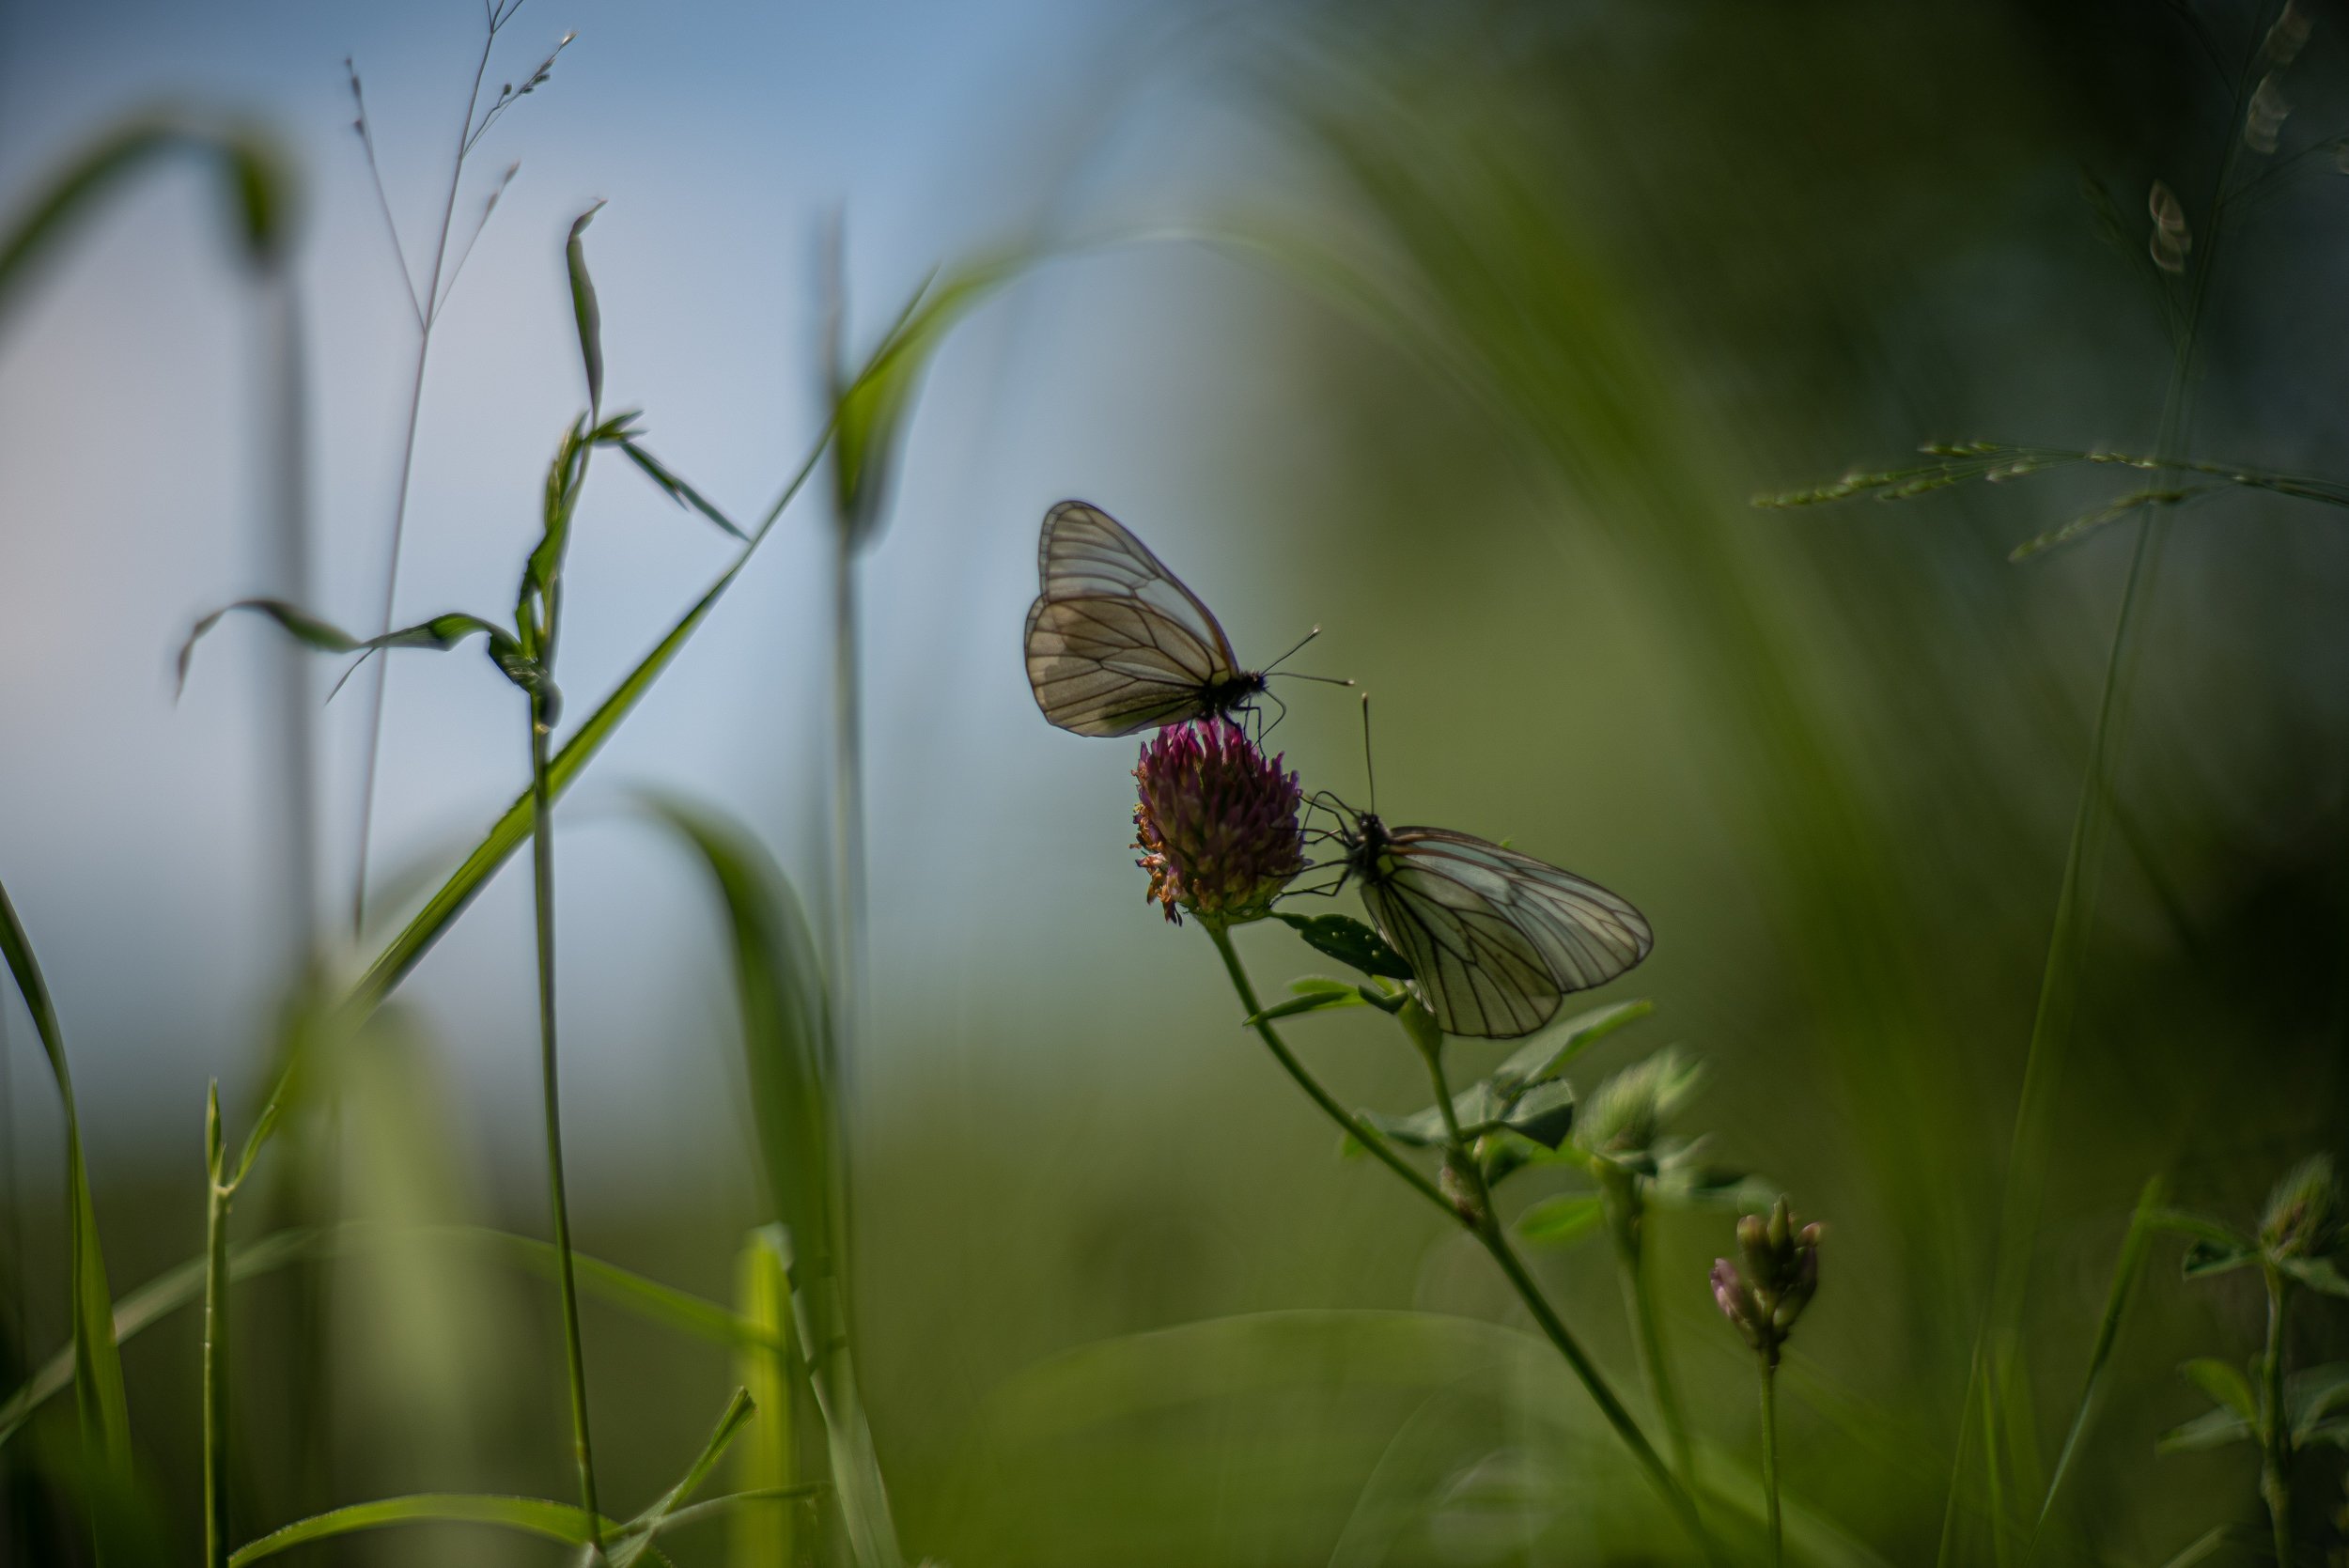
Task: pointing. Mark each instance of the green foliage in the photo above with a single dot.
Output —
(97, 1362)
(870, 409)
(1349, 941)
(1562, 1220)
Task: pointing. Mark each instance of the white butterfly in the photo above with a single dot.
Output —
(1494, 939)
(1115, 642)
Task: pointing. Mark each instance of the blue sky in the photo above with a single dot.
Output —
(141, 837)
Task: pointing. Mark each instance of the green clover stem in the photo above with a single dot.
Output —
(1769, 1458)
(1486, 1228)
(1627, 1222)
(2275, 1422)
(1360, 1130)
(1487, 1231)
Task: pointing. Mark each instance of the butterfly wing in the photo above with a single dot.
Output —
(1495, 939)
(1115, 642)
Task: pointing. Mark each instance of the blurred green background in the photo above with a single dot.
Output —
(1539, 297)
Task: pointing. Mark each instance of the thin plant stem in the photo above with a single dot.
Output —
(1486, 1230)
(543, 863)
(1627, 1222)
(2276, 1423)
(1360, 1130)
(1770, 1459)
(2075, 899)
(427, 315)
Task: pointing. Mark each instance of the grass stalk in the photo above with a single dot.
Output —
(542, 866)
(2051, 1023)
(1770, 1459)
(1489, 1234)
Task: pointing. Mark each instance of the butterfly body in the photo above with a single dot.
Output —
(1115, 642)
(1495, 939)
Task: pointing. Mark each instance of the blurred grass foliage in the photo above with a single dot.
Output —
(1567, 286)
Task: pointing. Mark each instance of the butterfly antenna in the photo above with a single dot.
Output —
(1283, 659)
(1369, 773)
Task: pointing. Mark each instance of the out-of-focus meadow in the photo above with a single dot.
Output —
(1468, 333)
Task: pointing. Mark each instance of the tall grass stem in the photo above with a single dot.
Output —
(2051, 1023)
(543, 865)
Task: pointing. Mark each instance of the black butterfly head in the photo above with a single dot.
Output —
(1234, 693)
(1365, 839)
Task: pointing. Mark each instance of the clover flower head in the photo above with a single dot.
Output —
(1216, 823)
(1782, 1274)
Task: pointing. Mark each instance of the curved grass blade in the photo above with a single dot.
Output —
(871, 410)
(553, 1521)
(440, 633)
(96, 1363)
(255, 186)
(781, 988)
(2143, 1225)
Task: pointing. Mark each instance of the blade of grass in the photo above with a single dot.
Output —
(255, 190)
(584, 313)
(780, 986)
(2142, 1226)
(553, 1521)
(96, 1363)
